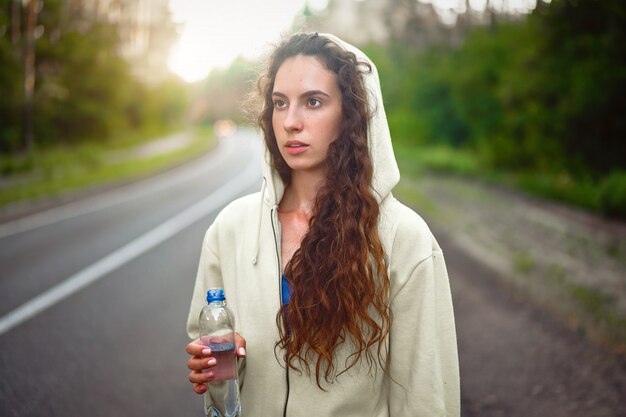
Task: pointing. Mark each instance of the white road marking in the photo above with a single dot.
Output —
(132, 250)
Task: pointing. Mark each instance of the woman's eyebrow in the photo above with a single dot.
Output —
(305, 94)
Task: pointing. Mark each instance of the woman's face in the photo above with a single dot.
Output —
(307, 112)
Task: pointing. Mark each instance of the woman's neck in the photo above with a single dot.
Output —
(301, 193)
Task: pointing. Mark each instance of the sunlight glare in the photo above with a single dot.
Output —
(216, 32)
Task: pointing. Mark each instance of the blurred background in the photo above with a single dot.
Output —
(123, 132)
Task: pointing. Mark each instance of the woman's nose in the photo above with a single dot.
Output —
(293, 120)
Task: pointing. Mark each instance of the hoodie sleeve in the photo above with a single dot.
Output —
(423, 350)
(209, 276)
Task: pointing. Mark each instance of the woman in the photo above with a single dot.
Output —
(340, 291)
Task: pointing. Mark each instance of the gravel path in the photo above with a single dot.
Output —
(517, 360)
(533, 284)
(566, 260)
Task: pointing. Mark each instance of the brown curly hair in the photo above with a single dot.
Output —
(338, 276)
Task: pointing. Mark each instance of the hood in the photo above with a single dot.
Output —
(386, 173)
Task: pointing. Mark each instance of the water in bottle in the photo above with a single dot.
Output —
(217, 332)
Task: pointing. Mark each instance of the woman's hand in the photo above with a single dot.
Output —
(201, 360)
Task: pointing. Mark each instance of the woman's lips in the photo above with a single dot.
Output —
(295, 147)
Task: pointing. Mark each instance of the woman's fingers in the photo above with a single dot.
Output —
(201, 361)
(240, 346)
(196, 348)
(197, 377)
(199, 388)
(198, 364)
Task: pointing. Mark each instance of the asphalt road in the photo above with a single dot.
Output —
(94, 297)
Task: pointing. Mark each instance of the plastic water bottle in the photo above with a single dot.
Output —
(216, 331)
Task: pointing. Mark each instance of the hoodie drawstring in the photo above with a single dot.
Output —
(260, 218)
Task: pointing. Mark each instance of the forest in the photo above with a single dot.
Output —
(539, 101)
(536, 102)
(84, 88)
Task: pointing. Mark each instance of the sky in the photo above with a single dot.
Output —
(215, 32)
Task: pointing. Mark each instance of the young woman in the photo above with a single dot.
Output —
(340, 292)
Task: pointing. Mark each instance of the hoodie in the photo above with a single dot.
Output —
(241, 253)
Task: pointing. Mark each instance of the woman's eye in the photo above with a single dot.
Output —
(314, 102)
(279, 104)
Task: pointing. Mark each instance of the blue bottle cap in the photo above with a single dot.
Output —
(215, 294)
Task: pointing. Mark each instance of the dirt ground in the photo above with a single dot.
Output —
(517, 357)
(518, 361)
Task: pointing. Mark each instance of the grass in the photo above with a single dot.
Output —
(583, 192)
(591, 300)
(523, 262)
(596, 313)
(439, 159)
(55, 171)
(410, 194)
(601, 308)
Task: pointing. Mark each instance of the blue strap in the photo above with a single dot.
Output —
(286, 290)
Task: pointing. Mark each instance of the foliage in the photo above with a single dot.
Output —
(61, 169)
(84, 90)
(538, 97)
(585, 41)
(224, 92)
(418, 97)
(81, 93)
(11, 88)
(437, 158)
(612, 194)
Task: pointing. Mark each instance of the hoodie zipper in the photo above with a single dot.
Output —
(280, 302)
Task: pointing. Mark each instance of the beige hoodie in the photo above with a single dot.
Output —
(241, 253)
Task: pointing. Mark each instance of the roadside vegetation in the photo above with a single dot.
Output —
(88, 103)
(584, 192)
(535, 104)
(57, 170)
(569, 266)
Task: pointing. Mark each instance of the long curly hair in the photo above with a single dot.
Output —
(338, 276)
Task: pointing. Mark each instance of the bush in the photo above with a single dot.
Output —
(12, 165)
(612, 194)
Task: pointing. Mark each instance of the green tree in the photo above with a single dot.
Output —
(85, 86)
(85, 90)
(11, 79)
(585, 52)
